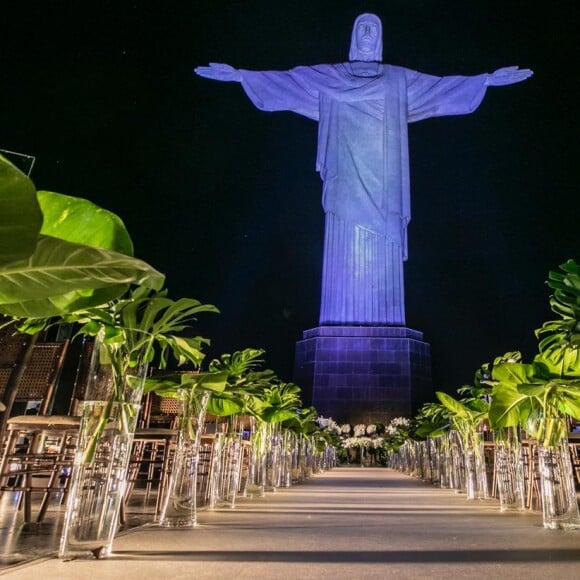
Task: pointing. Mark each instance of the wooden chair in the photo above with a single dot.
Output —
(39, 448)
(152, 448)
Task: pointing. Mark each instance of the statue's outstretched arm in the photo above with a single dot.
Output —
(219, 72)
(508, 76)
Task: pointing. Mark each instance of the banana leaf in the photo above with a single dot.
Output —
(455, 407)
(78, 220)
(225, 405)
(59, 274)
(20, 214)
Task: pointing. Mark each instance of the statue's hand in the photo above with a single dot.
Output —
(508, 76)
(218, 72)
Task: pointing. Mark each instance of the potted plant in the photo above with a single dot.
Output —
(466, 417)
(541, 396)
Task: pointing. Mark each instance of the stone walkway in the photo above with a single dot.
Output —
(349, 523)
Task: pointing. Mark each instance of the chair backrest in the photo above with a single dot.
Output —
(158, 410)
(41, 374)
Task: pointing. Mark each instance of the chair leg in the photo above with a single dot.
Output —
(8, 449)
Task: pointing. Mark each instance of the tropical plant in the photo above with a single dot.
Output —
(539, 396)
(563, 335)
(244, 380)
(59, 254)
(74, 264)
(432, 420)
(466, 416)
(536, 396)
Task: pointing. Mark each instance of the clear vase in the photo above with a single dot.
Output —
(255, 487)
(509, 472)
(475, 470)
(286, 455)
(99, 475)
(457, 478)
(296, 469)
(273, 458)
(305, 457)
(227, 465)
(558, 493)
(179, 503)
(434, 461)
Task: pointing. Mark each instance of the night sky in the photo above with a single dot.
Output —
(224, 199)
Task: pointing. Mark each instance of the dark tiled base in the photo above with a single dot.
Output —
(364, 374)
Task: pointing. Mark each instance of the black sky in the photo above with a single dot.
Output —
(224, 198)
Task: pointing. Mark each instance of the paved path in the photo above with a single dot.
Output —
(350, 523)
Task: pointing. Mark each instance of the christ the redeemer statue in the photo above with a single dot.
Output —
(363, 107)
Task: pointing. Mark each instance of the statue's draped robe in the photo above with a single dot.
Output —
(364, 163)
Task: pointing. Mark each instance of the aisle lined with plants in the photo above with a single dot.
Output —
(508, 434)
(54, 270)
(64, 260)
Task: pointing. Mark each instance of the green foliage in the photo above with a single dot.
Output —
(432, 420)
(303, 422)
(80, 221)
(20, 214)
(188, 387)
(539, 396)
(243, 380)
(466, 416)
(253, 391)
(144, 324)
(62, 265)
(61, 277)
(276, 403)
(565, 302)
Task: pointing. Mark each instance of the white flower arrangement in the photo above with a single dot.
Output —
(396, 424)
(400, 422)
(371, 429)
(345, 429)
(352, 442)
(360, 430)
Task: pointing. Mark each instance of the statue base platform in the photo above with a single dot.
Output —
(364, 374)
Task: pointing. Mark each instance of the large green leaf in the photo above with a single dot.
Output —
(222, 405)
(453, 406)
(78, 220)
(20, 215)
(69, 271)
(61, 305)
(570, 405)
(513, 374)
(274, 415)
(505, 407)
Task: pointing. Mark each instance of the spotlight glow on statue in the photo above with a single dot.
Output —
(363, 108)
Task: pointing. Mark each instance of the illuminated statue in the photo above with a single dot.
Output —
(363, 108)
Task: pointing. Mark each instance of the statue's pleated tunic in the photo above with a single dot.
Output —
(364, 163)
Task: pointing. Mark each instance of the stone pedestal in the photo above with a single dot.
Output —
(364, 374)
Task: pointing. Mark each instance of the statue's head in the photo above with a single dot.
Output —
(366, 42)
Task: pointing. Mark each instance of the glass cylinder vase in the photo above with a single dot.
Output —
(227, 465)
(558, 492)
(255, 487)
(509, 470)
(179, 503)
(99, 475)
